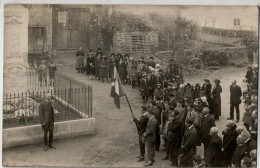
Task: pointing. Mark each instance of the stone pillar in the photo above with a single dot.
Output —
(15, 48)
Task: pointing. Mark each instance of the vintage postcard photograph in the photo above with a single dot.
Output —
(107, 85)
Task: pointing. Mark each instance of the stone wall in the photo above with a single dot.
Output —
(41, 16)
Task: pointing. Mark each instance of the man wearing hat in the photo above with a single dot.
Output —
(188, 147)
(150, 137)
(152, 86)
(141, 126)
(151, 62)
(216, 102)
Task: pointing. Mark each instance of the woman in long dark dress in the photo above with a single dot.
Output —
(216, 99)
(80, 60)
(122, 70)
(90, 64)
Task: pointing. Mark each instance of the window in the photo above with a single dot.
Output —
(236, 22)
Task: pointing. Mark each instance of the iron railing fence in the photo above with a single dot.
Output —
(20, 109)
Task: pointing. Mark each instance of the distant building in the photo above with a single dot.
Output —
(224, 17)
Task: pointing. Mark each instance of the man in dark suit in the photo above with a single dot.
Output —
(157, 116)
(214, 153)
(188, 144)
(207, 122)
(141, 126)
(150, 137)
(235, 94)
(216, 99)
(229, 141)
(175, 132)
(249, 143)
(46, 115)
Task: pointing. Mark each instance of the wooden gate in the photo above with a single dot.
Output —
(36, 40)
(71, 28)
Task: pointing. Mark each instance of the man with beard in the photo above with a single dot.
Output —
(229, 141)
(141, 126)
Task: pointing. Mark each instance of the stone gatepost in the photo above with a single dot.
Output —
(15, 48)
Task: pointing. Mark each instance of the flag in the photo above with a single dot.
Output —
(117, 89)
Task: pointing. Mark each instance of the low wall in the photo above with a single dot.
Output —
(33, 134)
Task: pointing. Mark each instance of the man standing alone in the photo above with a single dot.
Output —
(235, 94)
(46, 114)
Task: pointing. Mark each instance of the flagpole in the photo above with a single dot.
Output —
(129, 106)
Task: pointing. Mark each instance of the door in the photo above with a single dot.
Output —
(75, 31)
(36, 40)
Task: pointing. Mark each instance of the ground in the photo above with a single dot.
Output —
(116, 140)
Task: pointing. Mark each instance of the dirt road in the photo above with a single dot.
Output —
(116, 141)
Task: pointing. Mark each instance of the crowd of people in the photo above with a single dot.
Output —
(180, 117)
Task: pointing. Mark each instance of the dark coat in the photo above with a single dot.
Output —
(152, 64)
(238, 155)
(235, 94)
(103, 69)
(249, 75)
(144, 88)
(157, 115)
(189, 141)
(196, 93)
(229, 144)
(206, 88)
(122, 70)
(141, 124)
(205, 125)
(90, 65)
(214, 151)
(216, 94)
(188, 147)
(175, 130)
(151, 129)
(46, 114)
(250, 145)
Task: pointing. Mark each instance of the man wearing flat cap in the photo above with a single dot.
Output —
(150, 137)
(141, 126)
(216, 99)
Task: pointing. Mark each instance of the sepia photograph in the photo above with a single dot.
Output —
(122, 85)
